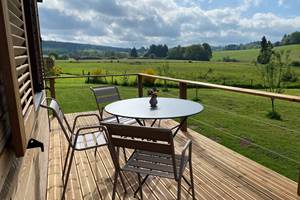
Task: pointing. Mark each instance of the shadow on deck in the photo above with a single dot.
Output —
(219, 173)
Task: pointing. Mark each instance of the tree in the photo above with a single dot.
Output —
(165, 50)
(193, 52)
(208, 50)
(133, 53)
(176, 53)
(272, 74)
(53, 55)
(293, 38)
(265, 51)
(159, 51)
(142, 50)
(196, 52)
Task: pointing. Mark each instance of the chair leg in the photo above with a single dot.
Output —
(115, 185)
(65, 163)
(179, 189)
(192, 180)
(140, 186)
(67, 175)
(95, 153)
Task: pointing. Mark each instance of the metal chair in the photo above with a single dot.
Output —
(85, 137)
(107, 94)
(153, 154)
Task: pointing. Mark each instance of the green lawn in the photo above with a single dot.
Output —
(251, 54)
(227, 118)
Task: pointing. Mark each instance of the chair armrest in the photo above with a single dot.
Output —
(187, 146)
(90, 127)
(100, 127)
(84, 115)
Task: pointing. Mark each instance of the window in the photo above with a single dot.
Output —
(34, 44)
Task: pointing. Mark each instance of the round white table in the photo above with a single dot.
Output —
(167, 108)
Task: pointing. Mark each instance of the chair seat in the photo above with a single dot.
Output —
(90, 140)
(122, 120)
(156, 164)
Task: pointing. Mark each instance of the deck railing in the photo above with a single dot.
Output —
(183, 86)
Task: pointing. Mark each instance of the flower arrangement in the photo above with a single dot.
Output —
(153, 94)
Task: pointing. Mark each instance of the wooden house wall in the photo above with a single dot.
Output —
(25, 177)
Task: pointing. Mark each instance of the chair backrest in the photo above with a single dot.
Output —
(105, 94)
(52, 105)
(157, 140)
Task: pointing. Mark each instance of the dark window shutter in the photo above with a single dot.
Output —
(17, 69)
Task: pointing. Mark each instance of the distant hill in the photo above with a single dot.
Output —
(69, 48)
(236, 52)
(251, 54)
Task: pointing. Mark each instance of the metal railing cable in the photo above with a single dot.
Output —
(242, 139)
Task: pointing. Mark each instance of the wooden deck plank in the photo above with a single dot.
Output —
(219, 173)
(244, 170)
(51, 186)
(54, 172)
(247, 171)
(73, 189)
(88, 184)
(102, 178)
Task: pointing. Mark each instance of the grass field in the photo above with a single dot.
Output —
(251, 54)
(242, 74)
(227, 118)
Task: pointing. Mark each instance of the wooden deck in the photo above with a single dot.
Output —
(219, 173)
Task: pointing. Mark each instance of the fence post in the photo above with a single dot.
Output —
(52, 87)
(140, 85)
(183, 95)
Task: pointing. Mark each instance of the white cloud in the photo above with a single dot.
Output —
(134, 23)
(280, 2)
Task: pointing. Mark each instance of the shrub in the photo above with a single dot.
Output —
(152, 56)
(125, 81)
(97, 79)
(289, 76)
(274, 115)
(116, 82)
(56, 70)
(49, 67)
(295, 63)
(228, 59)
(148, 81)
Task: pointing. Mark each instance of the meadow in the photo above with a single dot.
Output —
(241, 74)
(237, 121)
(251, 54)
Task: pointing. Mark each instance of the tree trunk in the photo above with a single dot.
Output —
(273, 105)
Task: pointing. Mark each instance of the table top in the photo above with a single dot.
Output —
(167, 108)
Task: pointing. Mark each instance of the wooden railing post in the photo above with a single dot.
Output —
(140, 85)
(183, 95)
(52, 87)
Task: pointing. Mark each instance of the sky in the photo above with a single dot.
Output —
(136, 23)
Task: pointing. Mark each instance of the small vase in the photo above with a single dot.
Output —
(153, 101)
